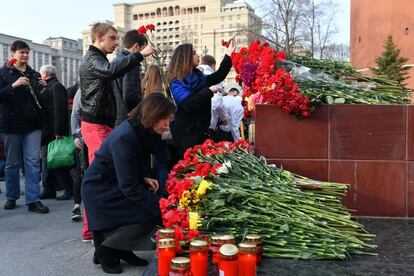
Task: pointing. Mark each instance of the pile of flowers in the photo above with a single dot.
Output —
(264, 83)
(221, 188)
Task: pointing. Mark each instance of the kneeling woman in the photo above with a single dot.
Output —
(120, 200)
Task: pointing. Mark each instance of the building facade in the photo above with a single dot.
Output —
(370, 27)
(65, 54)
(203, 23)
(66, 57)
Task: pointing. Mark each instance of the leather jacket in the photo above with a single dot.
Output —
(96, 74)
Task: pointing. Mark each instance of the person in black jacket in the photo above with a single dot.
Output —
(96, 74)
(192, 92)
(21, 119)
(127, 89)
(121, 199)
(55, 100)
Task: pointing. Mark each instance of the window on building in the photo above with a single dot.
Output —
(222, 26)
(222, 19)
(202, 9)
(196, 10)
(135, 17)
(177, 10)
(230, 17)
(230, 25)
(238, 17)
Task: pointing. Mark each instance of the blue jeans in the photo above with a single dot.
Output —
(16, 146)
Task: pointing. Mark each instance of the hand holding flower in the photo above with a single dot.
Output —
(148, 50)
(232, 47)
(22, 81)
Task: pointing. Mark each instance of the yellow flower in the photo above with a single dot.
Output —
(202, 188)
(250, 103)
(185, 199)
(194, 220)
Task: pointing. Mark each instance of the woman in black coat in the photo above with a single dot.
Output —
(120, 199)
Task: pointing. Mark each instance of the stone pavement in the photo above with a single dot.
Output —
(50, 244)
(47, 244)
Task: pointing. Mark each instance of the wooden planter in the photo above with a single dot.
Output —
(370, 147)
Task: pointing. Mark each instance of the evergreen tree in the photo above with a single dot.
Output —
(390, 64)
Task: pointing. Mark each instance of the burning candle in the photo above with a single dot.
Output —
(199, 257)
(180, 266)
(166, 252)
(228, 265)
(247, 259)
(257, 240)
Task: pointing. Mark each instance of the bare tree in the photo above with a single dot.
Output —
(336, 52)
(282, 23)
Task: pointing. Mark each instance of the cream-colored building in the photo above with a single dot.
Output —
(203, 23)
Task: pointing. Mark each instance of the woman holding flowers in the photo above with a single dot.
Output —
(192, 92)
(121, 199)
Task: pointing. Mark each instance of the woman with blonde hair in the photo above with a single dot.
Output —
(152, 81)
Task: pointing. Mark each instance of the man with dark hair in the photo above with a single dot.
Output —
(21, 120)
(127, 89)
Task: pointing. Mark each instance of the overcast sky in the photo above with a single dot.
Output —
(38, 20)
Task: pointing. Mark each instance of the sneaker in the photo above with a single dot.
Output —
(76, 214)
(87, 240)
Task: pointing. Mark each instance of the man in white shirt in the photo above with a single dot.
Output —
(235, 112)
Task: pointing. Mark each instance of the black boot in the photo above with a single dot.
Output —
(108, 260)
(130, 258)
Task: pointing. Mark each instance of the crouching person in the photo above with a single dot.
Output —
(122, 202)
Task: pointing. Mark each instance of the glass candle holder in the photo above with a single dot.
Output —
(214, 249)
(199, 257)
(180, 266)
(247, 259)
(257, 240)
(166, 252)
(228, 265)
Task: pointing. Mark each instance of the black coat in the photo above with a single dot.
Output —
(18, 110)
(113, 189)
(55, 102)
(96, 74)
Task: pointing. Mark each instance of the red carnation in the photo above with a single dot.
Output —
(225, 43)
(11, 62)
(150, 27)
(142, 30)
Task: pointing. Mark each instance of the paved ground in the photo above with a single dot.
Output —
(46, 244)
(50, 244)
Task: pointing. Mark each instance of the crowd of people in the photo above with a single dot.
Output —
(126, 132)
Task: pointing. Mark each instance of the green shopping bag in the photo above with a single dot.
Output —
(60, 153)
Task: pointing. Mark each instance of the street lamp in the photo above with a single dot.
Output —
(205, 50)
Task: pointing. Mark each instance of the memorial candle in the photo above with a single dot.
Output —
(228, 265)
(166, 252)
(199, 257)
(257, 240)
(247, 259)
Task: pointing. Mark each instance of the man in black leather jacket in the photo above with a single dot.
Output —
(96, 74)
